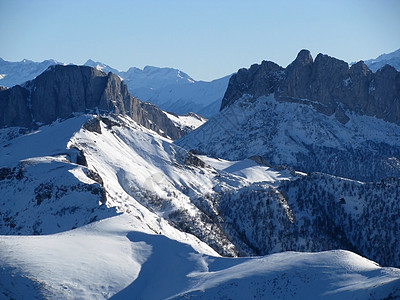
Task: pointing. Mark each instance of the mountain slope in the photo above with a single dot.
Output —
(296, 135)
(134, 263)
(308, 120)
(237, 208)
(103, 155)
(199, 97)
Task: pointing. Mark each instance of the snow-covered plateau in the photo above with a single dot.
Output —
(116, 210)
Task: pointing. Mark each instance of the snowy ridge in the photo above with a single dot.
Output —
(54, 151)
(249, 169)
(188, 122)
(51, 266)
(150, 171)
(392, 59)
(301, 138)
(203, 98)
(13, 73)
(178, 211)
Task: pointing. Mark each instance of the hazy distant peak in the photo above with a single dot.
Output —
(392, 59)
(394, 54)
(101, 66)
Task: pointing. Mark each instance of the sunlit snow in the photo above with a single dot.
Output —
(138, 254)
(112, 258)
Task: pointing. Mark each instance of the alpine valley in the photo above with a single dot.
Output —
(290, 191)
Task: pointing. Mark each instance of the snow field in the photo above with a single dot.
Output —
(111, 258)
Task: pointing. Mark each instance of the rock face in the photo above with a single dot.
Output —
(257, 81)
(313, 116)
(63, 90)
(326, 83)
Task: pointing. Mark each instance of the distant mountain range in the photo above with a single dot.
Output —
(13, 73)
(170, 89)
(392, 59)
(61, 91)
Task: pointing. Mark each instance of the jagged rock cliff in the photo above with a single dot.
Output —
(313, 116)
(327, 83)
(63, 90)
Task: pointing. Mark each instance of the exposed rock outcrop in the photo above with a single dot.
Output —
(63, 90)
(326, 83)
(257, 81)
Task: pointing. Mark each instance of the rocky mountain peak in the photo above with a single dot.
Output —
(327, 66)
(360, 67)
(63, 90)
(258, 80)
(326, 83)
(388, 69)
(303, 58)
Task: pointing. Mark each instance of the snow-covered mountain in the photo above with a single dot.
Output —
(170, 89)
(296, 135)
(119, 209)
(317, 116)
(101, 66)
(13, 73)
(392, 59)
(63, 90)
(200, 97)
(117, 258)
(71, 173)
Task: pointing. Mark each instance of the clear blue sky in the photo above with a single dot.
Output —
(205, 38)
